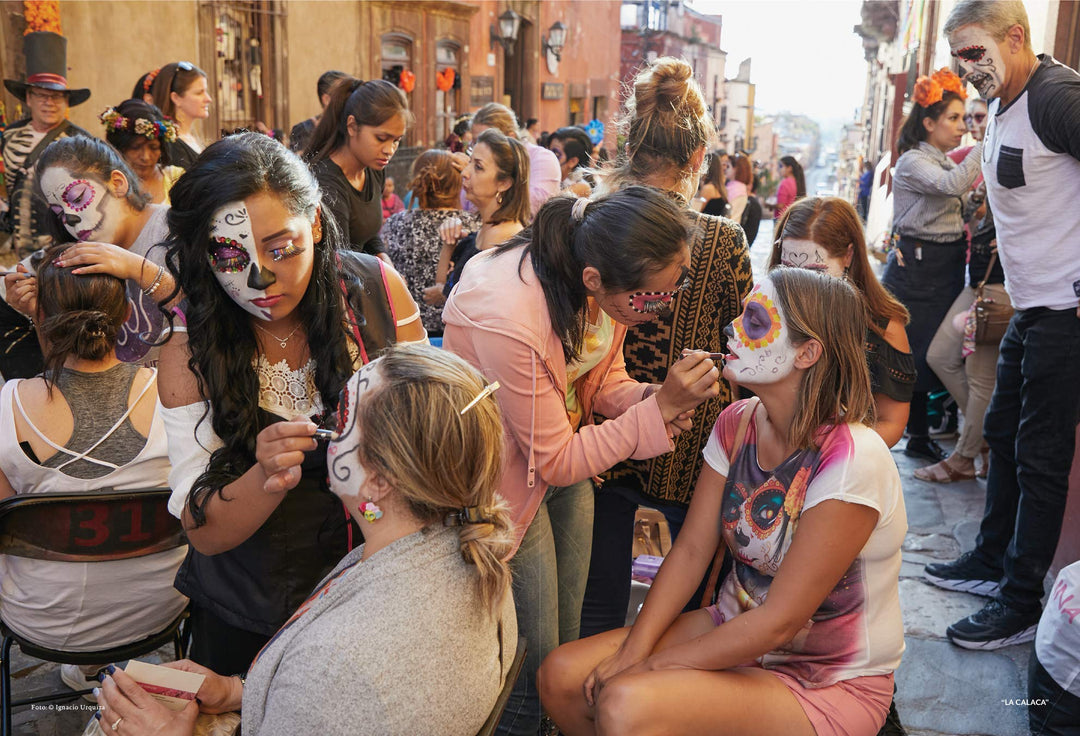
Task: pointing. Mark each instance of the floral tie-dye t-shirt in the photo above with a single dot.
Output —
(857, 630)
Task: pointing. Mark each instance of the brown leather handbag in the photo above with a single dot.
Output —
(991, 318)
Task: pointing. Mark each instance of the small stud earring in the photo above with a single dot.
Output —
(371, 511)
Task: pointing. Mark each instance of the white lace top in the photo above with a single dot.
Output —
(288, 393)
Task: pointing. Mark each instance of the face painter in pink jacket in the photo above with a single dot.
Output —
(545, 315)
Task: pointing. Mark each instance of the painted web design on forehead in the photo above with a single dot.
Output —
(760, 322)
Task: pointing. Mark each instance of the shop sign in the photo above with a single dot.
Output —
(552, 91)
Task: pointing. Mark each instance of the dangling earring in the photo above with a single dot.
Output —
(499, 198)
(370, 511)
(847, 273)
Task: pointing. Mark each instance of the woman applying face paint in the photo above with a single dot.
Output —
(358, 134)
(273, 320)
(925, 269)
(824, 234)
(806, 632)
(545, 315)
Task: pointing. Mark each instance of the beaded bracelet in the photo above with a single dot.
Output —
(157, 282)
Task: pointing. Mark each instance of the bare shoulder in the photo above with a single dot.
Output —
(177, 385)
(896, 336)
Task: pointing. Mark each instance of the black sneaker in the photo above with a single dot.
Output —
(926, 448)
(995, 626)
(966, 575)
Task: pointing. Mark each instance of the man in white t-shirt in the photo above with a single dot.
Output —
(1031, 164)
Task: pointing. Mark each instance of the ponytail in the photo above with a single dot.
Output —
(368, 103)
(626, 236)
(486, 543)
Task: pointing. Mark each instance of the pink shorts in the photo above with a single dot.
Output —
(855, 707)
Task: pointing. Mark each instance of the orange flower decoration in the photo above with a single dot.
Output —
(42, 15)
(927, 92)
(950, 82)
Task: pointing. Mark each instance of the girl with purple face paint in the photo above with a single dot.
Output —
(273, 319)
(806, 632)
(98, 203)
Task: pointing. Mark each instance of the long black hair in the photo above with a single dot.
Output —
(626, 236)
(913, 132)
(368, 103)
(220, 337)
(797, 173)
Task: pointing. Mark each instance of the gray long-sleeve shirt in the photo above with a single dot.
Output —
(929, 191)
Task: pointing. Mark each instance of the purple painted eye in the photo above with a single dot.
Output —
(227, 256)
(56, 209)
(756, 321)
(78, 195)
(972, 53)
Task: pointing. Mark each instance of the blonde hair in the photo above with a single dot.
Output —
(500, 117)
(439, 460)
(665, 122)
(836, 389)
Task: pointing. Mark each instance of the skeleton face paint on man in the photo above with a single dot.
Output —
(811, 256)
(980, 60)
(760, 350)
(83, 203)
(347, 475)
(235, 260)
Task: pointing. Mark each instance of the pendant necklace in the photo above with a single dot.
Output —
(281, 340)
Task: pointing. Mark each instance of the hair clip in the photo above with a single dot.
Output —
(465, 515)
(488, 391)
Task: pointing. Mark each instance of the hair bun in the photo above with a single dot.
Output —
(671, 76)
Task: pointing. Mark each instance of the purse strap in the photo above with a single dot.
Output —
(721, 549)
(986, 276)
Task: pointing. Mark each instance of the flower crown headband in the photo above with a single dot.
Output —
(929, 90)
(164, 130)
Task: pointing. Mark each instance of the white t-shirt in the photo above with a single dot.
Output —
(1057, 643)
(858, 629)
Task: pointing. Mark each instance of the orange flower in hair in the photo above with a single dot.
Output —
(927, 92)
(950, 82)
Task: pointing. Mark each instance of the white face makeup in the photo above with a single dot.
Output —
(347, 475)
(980, 60)
(811, 256)
(235, 260)
(84, 204)
(759, 344)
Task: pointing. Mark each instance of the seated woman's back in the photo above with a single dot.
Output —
(88, 423)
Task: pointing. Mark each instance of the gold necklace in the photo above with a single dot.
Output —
(282, 340)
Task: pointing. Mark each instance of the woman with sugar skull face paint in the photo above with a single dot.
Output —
(98, 203)
(545, 315)
(824, 234)
(273, 319)
(806, 631)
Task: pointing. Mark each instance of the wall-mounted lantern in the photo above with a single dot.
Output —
(553, 45)
(507, 33)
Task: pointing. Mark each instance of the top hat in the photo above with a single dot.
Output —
(46, 65)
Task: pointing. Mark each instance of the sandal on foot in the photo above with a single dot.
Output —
(943, 473)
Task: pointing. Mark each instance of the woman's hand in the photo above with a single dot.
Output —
(21, 290)
(434, 296)
(459, 160)
(217, 694)
(691, 380)
(279, 450)
(88, 258)
(450, 231)
(618, 663)
(680, 424)
(129, 710)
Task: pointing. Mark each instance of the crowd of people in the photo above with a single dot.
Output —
(373, 521)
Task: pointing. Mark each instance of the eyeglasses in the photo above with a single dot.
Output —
(51, 96)
(654, 302)
(978, 117)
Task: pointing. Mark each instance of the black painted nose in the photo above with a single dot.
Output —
(729, 330)
(260, 277)
(71, 220)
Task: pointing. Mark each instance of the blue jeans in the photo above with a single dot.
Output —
(607, 594)
(1031, 429)
(549, 569)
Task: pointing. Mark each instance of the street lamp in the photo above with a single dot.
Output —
(553, 45)
(509, 25)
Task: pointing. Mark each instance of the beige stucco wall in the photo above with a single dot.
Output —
(111, 43)
(320, 36)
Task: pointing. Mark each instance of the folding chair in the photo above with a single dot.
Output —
(492, 721)
(85, 527)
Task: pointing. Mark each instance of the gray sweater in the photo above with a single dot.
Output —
(398, 644)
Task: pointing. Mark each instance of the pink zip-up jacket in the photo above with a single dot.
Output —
(498, 320)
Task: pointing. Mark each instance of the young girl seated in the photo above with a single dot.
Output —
(806, 632)
(413, 632)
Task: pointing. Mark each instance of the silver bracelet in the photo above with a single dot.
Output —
(157, 282)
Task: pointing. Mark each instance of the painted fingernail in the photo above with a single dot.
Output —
(111, 669)
(101, 677)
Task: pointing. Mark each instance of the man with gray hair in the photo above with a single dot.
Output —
(1031, 164)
